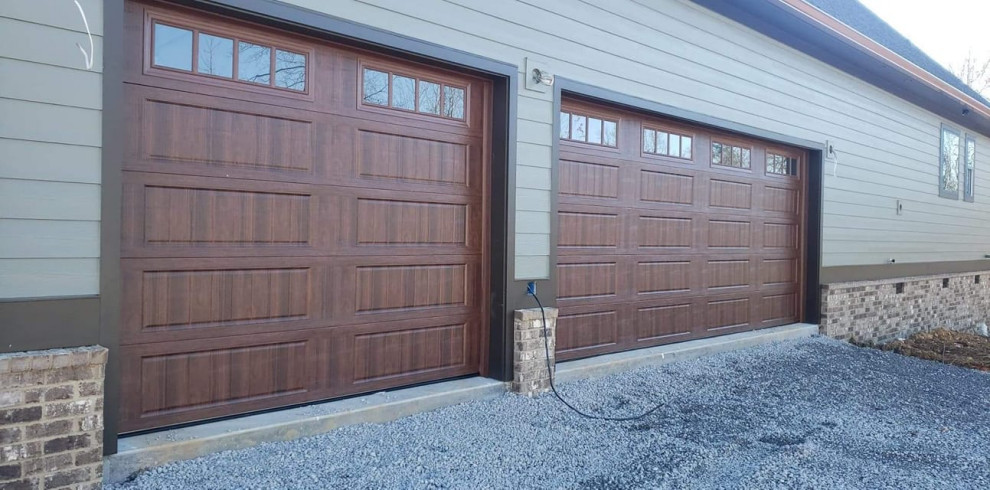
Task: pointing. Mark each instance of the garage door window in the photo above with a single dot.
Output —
(781, 165)
(213, 55)
(584, 128)
(407, 93)
(726, 155)
(666, 143)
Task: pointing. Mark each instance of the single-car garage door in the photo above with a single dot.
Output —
(669, 232)
(300, 220)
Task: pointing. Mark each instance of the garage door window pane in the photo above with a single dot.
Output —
(429, 97)
(403, 92)
(565, 125)
(173, 47)
(649, 141)
(216, 55)
(375, 87)
(686, 147)
(453, 102)
(290, 70)
(594, 130)
(675, 145)
(579, 128)
(610, 133)
(254, 63)
(745, 163)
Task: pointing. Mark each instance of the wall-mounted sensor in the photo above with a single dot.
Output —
(891, 261)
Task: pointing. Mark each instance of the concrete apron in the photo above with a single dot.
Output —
(141, 452)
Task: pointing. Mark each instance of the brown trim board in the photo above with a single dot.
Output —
(877, 272)
(49, 323)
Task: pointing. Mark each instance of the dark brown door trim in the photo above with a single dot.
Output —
(296, 19)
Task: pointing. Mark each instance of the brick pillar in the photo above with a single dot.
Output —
(529, 373)
(51, 418)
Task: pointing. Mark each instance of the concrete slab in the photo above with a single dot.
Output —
(136, 453)
(145, 451)
(593, 367)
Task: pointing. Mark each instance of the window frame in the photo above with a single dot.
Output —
(787, 154)
(970, 192)
(942, 192)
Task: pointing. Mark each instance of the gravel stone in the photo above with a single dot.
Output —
(813, 413)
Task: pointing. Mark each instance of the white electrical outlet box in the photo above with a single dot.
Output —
(829, 150)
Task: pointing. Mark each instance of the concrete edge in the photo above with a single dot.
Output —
(147, 451)
(624, 361)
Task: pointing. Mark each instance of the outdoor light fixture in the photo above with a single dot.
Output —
(540, 76)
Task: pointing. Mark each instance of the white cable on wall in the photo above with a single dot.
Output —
(835, 163)
(88, 57)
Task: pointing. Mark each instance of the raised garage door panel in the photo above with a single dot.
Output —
(659, 241)
(282, 246)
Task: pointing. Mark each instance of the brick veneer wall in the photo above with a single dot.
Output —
(529, 373)
(51, 419)
(874, 311)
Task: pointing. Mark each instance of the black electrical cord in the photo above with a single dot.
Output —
(546, 347)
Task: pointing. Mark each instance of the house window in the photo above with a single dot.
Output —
(408, 93)
(727, 155)
(969, 168)
(215, 56)
(948, 181)
(588, 129)
(781, 165)
(666, 143)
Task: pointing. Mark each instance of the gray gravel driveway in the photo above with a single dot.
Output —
(812, 413)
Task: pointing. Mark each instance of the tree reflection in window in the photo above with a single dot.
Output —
(408, 93)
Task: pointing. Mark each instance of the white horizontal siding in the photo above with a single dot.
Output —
(36, 239)
(33, 278)
(677, 53)
(50, 142)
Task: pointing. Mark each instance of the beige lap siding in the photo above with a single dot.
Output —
(873, 311)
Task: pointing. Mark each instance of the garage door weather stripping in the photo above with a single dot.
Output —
(531, 291)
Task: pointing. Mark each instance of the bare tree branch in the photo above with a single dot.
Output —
(974, 72)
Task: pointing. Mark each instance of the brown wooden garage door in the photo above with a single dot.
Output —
(301, 220)
(669, 232)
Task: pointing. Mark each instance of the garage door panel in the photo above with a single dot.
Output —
(730, 194)
(191, 133)
(729, 313)
(730, 233)
(667, 187)
(590, 281)
(171, 382)
(378, 222)
(175, 299)
(579, 230)
(581, 332)
(781, 199)
(669, 321)
(371, 356)
(197, 216)
(372, 154)
(668, 276)
(779, 309)
(779, 272)
(588, 180)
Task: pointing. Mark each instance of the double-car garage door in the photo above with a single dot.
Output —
(300, 220)
(303, 220)
(669, 232)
